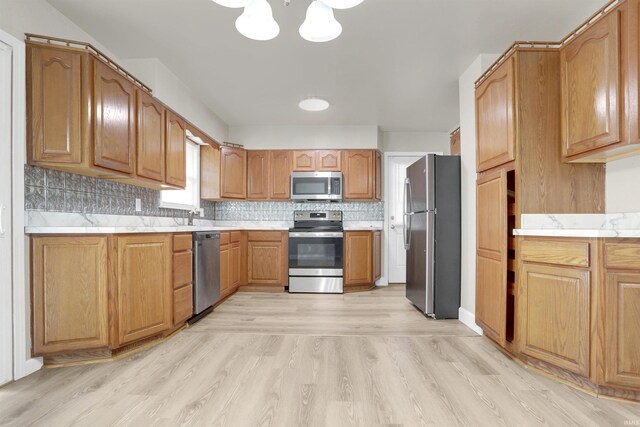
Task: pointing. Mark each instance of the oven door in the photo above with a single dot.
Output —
(316, 254)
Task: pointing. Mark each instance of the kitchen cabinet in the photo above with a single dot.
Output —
(235, 260)
(495, 116)
(91, 118)
(176, 169)
(280, 175)
(114, 107)
(143, 285)
(182, 278)
(225, 278)
(454, 143)
(233, 173)
(328, 161)
(267, 258)
(304, 161)
(230, 262)
(378, 176)
(600, 88)
(362, 262)
(258, 172)
(210, 172)
(361, 177)
(70, 293)
(150, 154)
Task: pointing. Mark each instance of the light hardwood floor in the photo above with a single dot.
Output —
(366, 359)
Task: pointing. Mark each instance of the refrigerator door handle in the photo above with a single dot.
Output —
(406, 231)
(407, 196)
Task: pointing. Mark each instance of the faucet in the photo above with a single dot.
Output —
(192, 212)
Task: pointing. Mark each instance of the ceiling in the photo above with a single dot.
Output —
(395, 65)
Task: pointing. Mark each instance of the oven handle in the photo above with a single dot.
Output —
(318, 235)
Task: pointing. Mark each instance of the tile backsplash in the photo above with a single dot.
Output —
(56, 191)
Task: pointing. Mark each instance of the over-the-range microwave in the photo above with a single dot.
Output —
(316, 186)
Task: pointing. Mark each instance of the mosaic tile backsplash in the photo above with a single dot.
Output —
(55, 191)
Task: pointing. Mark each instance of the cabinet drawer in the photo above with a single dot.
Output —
(574, 254)
(182, 304)
(234, 236)
(224, 238)
(625, 256)
(182, 242)
(265, 236)
(182, 268)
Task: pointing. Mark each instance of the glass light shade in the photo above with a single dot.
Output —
(314, 104)
(233, 3)
(256, 22)
(341, 4)
(320, 24)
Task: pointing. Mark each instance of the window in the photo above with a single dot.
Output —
(189, 198)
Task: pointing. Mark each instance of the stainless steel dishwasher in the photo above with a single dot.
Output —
(206, 272)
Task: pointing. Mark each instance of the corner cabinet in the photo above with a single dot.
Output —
(362, 175)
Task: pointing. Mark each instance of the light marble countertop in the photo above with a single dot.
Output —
(626, 225)
(38, 222)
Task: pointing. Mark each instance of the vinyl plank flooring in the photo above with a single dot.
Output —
(367, 359)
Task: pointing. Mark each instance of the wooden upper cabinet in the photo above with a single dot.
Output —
(495, 118)
(359, 181)
(455, 143)
(70, 293)
(54, 105)
(591, 88)
(280, 175)
(176, 146)
(328, 161)
(114, 101)
(378, 177)
(143, 286)
(258, 173)
(150, 153)
(233, 173)
(210, 172)
(304, 161)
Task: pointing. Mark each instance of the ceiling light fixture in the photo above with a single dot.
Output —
(314, 104)
(320, 24)
(257, 23)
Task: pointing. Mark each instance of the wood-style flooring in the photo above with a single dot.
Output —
(367, 359)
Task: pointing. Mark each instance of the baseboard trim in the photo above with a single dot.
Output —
(469, 319)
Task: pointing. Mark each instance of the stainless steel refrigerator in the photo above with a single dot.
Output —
(432, 221)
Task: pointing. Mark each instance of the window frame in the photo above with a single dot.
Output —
(196, 190)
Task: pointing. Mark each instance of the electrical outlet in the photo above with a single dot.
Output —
(138, 205)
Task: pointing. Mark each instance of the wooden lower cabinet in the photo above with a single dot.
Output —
(362, 258)
(70, 297)
(491, 296)
(267, 258)
(230, 262)
(182, 278)
(556, 321)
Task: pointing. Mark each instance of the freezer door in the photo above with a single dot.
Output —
(416, 188)
(416, 290)
(430, 262)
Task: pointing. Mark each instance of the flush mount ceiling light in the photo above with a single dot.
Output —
(257, 23)
(314, 104)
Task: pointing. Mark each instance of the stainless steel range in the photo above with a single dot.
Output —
(316, 252)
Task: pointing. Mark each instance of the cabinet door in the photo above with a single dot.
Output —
(377, 254)
(144, 286)
(495, 120)
(258, 175)
(622, 323)
(176, 146)
(115, 120)
(151, 143)
(234, 265)
(210, 172)
(225, 275)
(54, 102)
(358, 257)
(264, 261)
(555, 304)
(328, 161)
(378, 176)
(491, 247)
(455, 143)
(70, 294)
(359, 175)
(304, 161)
(591, 108)
(182, 304)
(233, 173)
(280, 175)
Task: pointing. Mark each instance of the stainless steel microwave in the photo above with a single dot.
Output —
(316, 186)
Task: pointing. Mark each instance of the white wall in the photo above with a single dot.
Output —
(416, 142)
(303, 137)
(468, 160)
(622, 181)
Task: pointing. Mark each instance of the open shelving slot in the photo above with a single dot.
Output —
(512, 208)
